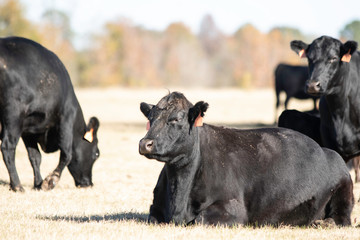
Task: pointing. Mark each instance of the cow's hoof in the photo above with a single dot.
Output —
(18, 188)
(50, 182)
(38, 187)
(326, 223)
(152, 220)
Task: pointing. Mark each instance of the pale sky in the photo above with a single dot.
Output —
(317, 17)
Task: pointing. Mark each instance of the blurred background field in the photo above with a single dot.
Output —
(120, 51)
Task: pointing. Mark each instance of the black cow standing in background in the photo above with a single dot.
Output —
(337, 80)
(335, 75)
(217, 175)
(291, 79)
(38, 104)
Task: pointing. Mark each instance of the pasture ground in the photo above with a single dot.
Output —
(118, 204)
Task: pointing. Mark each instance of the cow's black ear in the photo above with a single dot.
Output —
(349, 47)
(91, 129)
(299, 47)
(146, 108)
(197, 111)
(93, 124)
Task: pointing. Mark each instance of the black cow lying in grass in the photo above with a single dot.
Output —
(218, 175)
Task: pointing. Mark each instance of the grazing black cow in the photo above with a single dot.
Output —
(218, 175)
(38, 104)
(291, 79)
(303, 122)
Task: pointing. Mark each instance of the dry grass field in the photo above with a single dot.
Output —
(118, 204)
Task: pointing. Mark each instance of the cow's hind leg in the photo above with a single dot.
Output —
(224, 213)
(11, 135)
(315, 108)
(356, 163)
(287, 101)
(35, 158)
(341, 203)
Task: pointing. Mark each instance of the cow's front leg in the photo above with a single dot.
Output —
(53, 178)
(66, 140)
(159, 210)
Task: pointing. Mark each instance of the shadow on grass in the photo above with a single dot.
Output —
(2, 182)
(138, 217)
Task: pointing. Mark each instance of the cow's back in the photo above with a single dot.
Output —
(33, 81)
(262, 164)
(303, 122)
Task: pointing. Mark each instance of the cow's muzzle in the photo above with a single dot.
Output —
(84, 183)
(146, 146)
(313, 88)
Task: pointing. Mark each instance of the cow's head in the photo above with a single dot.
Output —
(327, 58)
(85, 153)
(171, 128)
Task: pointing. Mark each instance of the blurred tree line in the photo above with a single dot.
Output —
(124, 54)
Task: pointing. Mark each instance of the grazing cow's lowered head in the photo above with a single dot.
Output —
(170, 127)
(85, 155)
(328, 59)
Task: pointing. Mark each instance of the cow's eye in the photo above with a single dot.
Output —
(97, 154)
(331, 60)
(173, 120)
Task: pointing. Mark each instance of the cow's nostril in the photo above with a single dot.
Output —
(149, 145)
(317, 86)
(313, 87)
(146, 146)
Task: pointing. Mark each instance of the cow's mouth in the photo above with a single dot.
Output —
(157, 157)
(82, 185)
(314, 93)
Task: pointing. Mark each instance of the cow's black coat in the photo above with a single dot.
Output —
(38, 104)
(338, 83)
(304, 122)
(308, 123)
(229, 176)
(291, 79)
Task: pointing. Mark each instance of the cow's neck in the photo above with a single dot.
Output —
(79, 129)
(180, 179)
(343, 95)
(345, 112)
